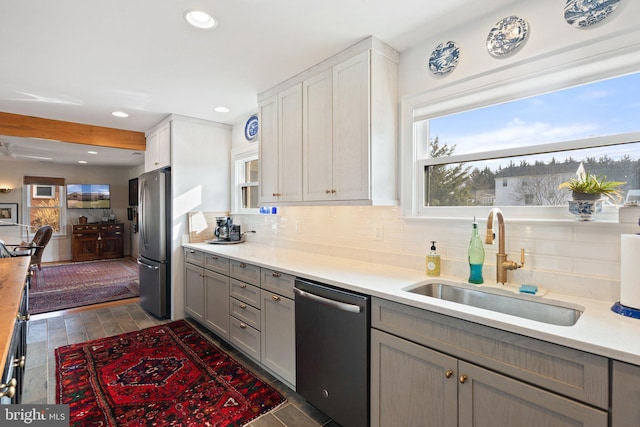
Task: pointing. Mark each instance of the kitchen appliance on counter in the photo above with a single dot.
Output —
(223, 226)
(332, 351)
(154, 208)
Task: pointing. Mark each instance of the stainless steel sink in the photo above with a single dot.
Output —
(534, 310)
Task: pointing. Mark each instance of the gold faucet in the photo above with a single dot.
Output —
(502, 263)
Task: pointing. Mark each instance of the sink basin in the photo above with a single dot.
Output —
(514, 306)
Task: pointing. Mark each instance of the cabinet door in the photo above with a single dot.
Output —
(411, 385)
(194, 292)
(625, 395)
(290, 148)
(268, 130)
(217, 303)
(85, 247)
(279, 335)
(317, 140)
(112, 245)
(158, 150)
(351, 128)
(489, 399)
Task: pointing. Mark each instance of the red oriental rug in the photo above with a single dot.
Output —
(166, 375)
(58, 287)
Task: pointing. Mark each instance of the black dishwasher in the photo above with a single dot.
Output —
(332, 351)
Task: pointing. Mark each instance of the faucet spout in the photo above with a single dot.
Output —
(502, 263)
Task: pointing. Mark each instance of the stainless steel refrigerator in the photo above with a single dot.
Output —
(154, 262)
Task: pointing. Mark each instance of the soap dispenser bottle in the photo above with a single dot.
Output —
(433, 261)
(476, 256)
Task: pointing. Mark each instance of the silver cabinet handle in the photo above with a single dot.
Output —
(276, 274)
(352, 308)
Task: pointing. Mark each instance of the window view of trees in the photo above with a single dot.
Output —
(492, 140)
(524, 180)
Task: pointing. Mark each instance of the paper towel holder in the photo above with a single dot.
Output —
(625, 311)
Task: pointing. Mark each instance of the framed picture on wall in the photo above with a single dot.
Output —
(133, 192)
(8, 213)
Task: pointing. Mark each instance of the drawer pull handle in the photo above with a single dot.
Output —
(243, 326)
(242, 285)
(463, 379)
(243, 306)
(243, 265)
(275, 297)
(214, 256)
(276, 274)
(448, 373)
(10, 388)
(22, 317)
(19, 363)
(192, 251)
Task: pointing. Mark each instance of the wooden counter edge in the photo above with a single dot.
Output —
(13, 273)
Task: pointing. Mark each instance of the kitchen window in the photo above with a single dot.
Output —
(515, 154)
(246, 185)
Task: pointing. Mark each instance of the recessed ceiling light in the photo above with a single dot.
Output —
(92, 152)
(82, 161)
(200, 19)
(222, 109)
(120, 114)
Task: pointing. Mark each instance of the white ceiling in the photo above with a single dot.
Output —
(78, 60)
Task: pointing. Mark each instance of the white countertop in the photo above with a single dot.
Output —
(598, 330)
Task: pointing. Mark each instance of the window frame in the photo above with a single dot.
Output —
(531, 77)
(239, 157)
(26, 212)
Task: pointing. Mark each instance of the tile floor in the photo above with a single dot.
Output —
(45, 334)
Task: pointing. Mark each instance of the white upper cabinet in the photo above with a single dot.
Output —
(281, 147)
(348, 131)
(158, 153)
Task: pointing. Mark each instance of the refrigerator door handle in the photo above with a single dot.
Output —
(143, 194)
(152, 267)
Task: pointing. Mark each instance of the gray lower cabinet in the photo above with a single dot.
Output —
(252, 308)
(625, 395)
(429, 369)
(207, 290)
(279, 335)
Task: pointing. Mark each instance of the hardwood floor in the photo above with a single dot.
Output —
(48, 331)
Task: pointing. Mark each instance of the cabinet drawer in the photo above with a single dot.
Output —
(245, 338)
(194, 257)
(245, 293)
(216, 263)
(574, 373)
(246, 272)
(279, 283)
(245, 313)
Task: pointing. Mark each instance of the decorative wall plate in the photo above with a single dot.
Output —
(444, 58)
(507, 36)
(251, 128)
(582, 13)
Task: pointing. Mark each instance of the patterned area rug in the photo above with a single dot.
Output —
(163, 375)
(58, 287)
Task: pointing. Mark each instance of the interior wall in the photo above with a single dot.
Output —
(59, 248)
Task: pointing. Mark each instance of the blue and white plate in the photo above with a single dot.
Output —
(582, 13)
(507, 36)
(444, 58)
(251, 128)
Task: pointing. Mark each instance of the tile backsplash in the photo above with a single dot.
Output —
(571, 258)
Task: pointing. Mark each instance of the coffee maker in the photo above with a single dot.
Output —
(223, 227)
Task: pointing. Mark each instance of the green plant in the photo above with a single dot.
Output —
(592, 184)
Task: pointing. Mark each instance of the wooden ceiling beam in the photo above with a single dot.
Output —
(35, 127)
